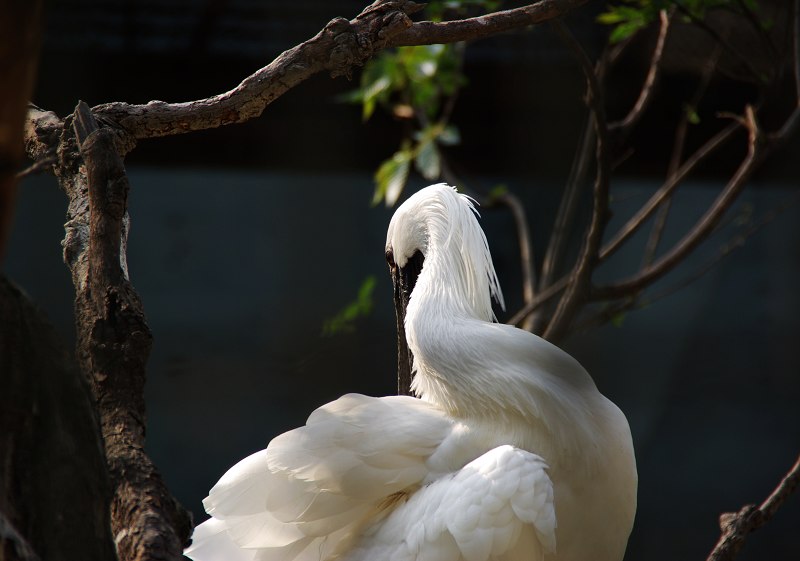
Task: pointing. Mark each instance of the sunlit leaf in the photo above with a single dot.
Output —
(372, 93)
(449, 136)
(428, 161)
(497, 191)
(391, 177)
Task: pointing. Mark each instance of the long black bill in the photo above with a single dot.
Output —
(404, 279)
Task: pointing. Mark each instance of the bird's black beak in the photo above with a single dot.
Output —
(404, 279)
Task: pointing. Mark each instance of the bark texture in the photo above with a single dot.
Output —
(114, 339)
(54, 486)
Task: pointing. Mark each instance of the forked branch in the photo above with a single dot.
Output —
(340, 47)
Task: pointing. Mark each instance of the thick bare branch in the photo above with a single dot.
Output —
(736, 526)
(114, 343)
(429, 33)
(338, 48)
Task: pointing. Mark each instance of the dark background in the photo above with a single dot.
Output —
(246, 238)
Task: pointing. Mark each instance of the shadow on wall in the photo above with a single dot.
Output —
(239, 270)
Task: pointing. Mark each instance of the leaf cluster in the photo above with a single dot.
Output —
(417, 85)
(629, 16)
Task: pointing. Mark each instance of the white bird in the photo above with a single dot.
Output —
(511, 453)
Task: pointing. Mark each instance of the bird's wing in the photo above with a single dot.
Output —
(497, 507)
(314, 486)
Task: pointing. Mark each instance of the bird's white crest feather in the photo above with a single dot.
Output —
(442, 223)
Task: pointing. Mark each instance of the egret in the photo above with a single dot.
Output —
(509, 454)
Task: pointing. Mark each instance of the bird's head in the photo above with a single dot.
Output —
(436, 230)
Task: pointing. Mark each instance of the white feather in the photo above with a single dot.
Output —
(511, 454)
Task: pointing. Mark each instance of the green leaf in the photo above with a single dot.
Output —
(497, 191)
(391, 177)
(610, 18)
(625, 30)
(358, 308)
(691, 115)
(372, 93)
(450, 136)
(428, 161)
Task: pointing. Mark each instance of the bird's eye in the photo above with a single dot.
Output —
(390, 259)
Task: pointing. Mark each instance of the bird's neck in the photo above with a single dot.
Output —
(480, 371)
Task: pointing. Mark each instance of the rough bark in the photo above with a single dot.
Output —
(339, 48)
(54, 486)
(114, 339)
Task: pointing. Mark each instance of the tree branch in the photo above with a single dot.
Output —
(736, 526)
(734, 243)
(648, 87)
(338, 48)
(525, 250)
(677, 155)
(114, 343)
(577, 290)
(702, 228)
(565, 215)
(666, 190)
(430, 33)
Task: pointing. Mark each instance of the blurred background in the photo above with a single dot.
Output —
(245, 240)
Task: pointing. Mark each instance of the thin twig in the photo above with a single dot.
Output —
(681, 131)
(568, 205)
(666, 190)
(541, 298)
(728, 248)
(580, 279)
(648, 87)
(704, 226)
(525, 249)
(754, 73)
(45, 164)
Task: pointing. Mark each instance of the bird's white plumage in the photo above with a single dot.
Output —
(511, 453)
(475, 514)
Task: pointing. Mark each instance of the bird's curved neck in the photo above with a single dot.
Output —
(476, 370)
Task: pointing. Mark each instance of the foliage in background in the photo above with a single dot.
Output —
(417, 85)
(629, 16)
(344, 321)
